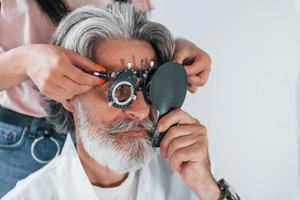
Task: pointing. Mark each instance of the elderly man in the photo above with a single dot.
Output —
(114, 158)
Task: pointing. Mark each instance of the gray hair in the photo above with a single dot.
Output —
(85, 26)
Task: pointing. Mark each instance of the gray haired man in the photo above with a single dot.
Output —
(113, 158)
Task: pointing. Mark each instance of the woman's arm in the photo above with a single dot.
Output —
(55, 71)
(12, 70)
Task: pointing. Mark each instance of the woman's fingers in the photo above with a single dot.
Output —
(58, 93)
(78, 76)
(201, 63)
(58, 72)
(73, 87)
(80, 61)
(192, 88)
(197, 80)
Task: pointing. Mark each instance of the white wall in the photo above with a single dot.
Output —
(251, 104)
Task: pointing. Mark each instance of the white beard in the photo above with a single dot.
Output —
(101, 145)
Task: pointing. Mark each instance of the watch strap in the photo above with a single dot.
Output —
(227, 192)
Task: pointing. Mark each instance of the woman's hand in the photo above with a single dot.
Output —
(56, 71)
(197, 63)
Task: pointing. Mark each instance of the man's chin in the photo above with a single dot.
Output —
(131, 154)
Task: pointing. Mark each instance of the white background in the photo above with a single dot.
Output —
(251, 103)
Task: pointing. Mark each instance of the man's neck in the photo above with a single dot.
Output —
(98, 174)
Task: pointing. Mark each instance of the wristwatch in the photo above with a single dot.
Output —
(227, 192)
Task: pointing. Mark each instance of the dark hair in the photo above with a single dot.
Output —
(55, 10)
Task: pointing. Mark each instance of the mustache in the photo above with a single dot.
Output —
(126, 125)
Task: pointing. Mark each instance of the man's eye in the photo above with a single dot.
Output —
(123, 92)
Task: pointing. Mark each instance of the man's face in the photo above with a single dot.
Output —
(114, 137)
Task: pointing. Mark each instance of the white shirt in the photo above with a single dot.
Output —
(64, 178)
(127, 189)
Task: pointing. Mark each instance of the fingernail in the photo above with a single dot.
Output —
(101, 82)
(100, 68)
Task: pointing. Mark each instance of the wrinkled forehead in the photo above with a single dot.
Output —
(115, 54)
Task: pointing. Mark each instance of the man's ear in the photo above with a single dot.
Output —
(69, 105)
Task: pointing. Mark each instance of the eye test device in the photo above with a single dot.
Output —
(164, 87)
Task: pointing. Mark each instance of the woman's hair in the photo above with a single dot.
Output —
(55, 10)
(86, 26)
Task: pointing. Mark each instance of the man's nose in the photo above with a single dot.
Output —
(139, 109)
